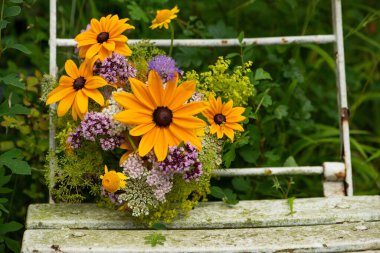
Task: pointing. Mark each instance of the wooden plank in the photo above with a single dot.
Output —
(319, 238)
(256, 213)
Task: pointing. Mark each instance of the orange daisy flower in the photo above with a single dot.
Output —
(161, 116)
(104, 37)
(164, 17)
(75, 89)
(223, 118)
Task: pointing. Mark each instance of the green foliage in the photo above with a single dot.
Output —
(235, 86)
(227, 195)
(155, 238)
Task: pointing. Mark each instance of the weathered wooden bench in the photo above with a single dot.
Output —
(339, 222)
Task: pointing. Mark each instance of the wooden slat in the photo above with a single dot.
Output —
(320, 238)
(257, 213)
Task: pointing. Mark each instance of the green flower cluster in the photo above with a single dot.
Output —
(220, 81)
(142, 53)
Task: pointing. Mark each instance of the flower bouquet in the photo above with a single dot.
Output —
(143, 136)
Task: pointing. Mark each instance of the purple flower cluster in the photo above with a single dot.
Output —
(110, 143)
(182, 160)
(164, 66)
(95, 125)
(115, 69)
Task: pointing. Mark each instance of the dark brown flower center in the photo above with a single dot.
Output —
(162, 116)
(219, 119)
(102, 37)
(79, 83)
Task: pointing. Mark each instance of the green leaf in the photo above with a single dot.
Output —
(159, 226)
(217, 192)
(10, 227)
(154, 239)
(241, 37)
(12, 111)
(242, 184)
(136, 12)
(3, 24)
(248, 154)
(12, 159)
(290, 203)
(11, 11)
(16, 1)
(232, 55)
(262, 75)
(290, 162)
(267, 100)
(13, 80)
(281, 111)
(13, 245)
(21, 48)
(230, 197)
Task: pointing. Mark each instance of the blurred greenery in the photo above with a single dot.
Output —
(293, 119)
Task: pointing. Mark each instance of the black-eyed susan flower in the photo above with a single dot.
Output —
(104, 37)
(164, 17)
(74, 90)
(223, 117)
(161, 116)
(112, 180)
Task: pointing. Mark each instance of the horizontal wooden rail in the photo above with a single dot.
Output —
(319, 39)
(304, 170)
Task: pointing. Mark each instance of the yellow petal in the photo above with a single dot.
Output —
(127, 100)
(233, 119)
(93, 50)
(66, 81)
(227, 107)
(85, 69)
(182, 94)
(189, 122)
(123, 49)
(120, 38)
(155, 87)
(234, 126)
(219, 132)
(133, 117)
(147, 141)
(142, 129)
(95, 82)
(109, 45)
(59, 95)
(71, 69)
(82, 101)
(186, 135)
(124, 157)
(161, 145)
(229, 132)
(95, 25)
(170, 89)
(96, 95)
(65, 105)
(190, 109)
(142, 94)
(218, 105)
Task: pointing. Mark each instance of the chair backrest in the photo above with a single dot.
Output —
(337, 175)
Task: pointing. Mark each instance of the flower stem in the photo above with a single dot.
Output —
(172, 39)
(131, 142)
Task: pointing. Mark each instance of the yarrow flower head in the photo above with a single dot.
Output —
(165, 67)
(164, 17)
(115, 69)
(223, 118)
(112, 180)
(95, 124)
(75, 89)
(104, 37)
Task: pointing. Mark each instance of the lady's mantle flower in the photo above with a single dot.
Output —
(223, 118)
(104, 37)
(75, 89)
(164, 66)
(112, 180)
(163, 18)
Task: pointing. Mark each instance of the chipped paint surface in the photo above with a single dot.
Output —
(255, 213)
(320, 238)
